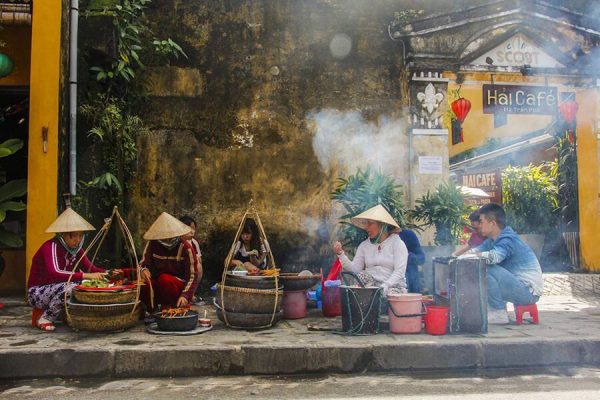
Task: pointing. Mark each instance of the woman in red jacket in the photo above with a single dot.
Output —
(53, 264)
(169, 264)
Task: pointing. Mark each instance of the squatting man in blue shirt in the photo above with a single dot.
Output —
(514, 273)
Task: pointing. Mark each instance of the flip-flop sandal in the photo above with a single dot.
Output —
(46, 326)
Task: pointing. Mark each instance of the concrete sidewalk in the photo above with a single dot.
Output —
(569, 334)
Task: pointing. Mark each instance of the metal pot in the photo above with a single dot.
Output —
(177, 324)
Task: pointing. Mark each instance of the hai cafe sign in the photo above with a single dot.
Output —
(515, 99)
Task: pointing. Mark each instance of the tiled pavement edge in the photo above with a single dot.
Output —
(572, 284)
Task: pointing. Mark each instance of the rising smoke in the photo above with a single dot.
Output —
(344, 139)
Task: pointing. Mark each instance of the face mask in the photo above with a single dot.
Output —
(169, 243)
(71, 250)
(384, 229)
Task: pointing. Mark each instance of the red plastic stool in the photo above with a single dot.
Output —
(527, 308)
(36, 313)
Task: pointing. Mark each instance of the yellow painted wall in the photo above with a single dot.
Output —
(42, 179)
(589, 187)
(18, 48)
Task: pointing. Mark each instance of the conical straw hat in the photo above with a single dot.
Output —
(69, 221)
(377, 213)
(166, 226)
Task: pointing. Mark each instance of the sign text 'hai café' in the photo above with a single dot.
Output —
(515, 99)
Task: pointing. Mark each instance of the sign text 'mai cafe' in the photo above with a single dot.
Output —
(514, 99)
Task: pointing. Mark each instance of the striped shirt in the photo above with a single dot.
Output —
(179, 261)
(52, 263)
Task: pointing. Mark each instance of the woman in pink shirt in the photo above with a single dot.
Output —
(53, 264)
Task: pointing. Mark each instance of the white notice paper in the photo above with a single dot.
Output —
(430, 165)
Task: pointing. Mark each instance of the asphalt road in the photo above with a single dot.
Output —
(547, 384)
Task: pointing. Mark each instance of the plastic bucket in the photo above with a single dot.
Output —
(360, 309)
(405, 313)
(436, 320)
(294, 304)
(331, 301)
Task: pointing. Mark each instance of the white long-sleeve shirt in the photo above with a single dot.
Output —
(385, 261)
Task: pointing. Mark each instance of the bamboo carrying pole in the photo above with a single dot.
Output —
(250, 211)
(99, 238)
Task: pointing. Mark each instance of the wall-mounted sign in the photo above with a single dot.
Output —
(514, 99)
(430, 165)
(517, 51)
(488, 181)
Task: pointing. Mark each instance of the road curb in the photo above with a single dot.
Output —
(181, 361)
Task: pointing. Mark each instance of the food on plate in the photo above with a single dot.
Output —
(95, 283)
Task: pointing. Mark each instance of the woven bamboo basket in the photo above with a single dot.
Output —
(292, 281)
(249, 320)
(100, 310)
(253, 301)
(104, 297)
(266, 282)
(103, 323)
(104, 311)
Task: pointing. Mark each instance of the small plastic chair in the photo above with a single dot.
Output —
(527, 308)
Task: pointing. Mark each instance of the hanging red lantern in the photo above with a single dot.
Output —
(461, 108)
(568, 110)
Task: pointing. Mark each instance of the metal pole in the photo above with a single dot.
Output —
(73, 23)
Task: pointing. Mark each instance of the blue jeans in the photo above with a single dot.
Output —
(412, 279)
(503, 286)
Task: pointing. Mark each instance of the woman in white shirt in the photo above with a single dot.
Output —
(381, 259)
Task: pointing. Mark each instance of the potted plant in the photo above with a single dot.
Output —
(530, 199)
(361, 191)
(445, 209)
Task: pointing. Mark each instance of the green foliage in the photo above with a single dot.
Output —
(167, 49)
(364, 190)
(566, 178)
(403, 17)
(530, 197)
(133, 37)
(10, 146)
(445, 209)
(114, 132)
(10, 193)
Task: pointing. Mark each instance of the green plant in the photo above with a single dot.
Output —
(530, 197)
(168, 49)
(10, 193)
(445, 209)
(402, 18)
(132, 38)
(361, 191)
(565, 172)
(114, 133)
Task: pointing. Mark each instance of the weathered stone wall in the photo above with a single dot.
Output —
(261, 109)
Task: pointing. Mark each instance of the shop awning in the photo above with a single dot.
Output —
(544, 141)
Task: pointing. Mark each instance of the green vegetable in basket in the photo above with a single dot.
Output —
(94, 283)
